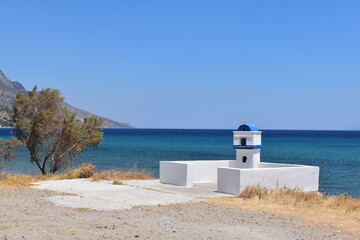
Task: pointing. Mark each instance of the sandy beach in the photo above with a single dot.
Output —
(27, 213)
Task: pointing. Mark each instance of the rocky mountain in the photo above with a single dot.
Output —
(9, 89)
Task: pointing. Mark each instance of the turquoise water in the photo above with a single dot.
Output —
(337, 153)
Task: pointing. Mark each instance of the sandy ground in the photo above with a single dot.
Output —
(27, 214)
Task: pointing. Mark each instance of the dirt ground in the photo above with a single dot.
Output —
(26, 214)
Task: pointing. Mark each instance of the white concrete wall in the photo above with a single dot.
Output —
(206, 171)
(234, 180)
(228, 180)
(175, 173)
(186, 173)
(253, 158)
(257, 139)
(252, 138)
(232, 163)
(278, 165)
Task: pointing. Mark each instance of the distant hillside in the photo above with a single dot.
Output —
(9, 89)
(81, 114)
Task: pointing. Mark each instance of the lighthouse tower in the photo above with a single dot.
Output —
(247, 142)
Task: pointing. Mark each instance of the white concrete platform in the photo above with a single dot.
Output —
(105, 196)
(199, 190)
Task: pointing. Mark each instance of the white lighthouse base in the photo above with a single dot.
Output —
(233, 180)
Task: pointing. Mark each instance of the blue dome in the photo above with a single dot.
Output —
(248, 127)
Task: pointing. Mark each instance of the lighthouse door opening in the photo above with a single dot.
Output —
(243, 142)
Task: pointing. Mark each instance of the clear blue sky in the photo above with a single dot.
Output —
(192, 64)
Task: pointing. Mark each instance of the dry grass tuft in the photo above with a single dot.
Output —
(131, 174)
(85, 170)
(285, 196)
(348, 204)
(20, 181)
(341, 212)
(297, 198)
(252, 192)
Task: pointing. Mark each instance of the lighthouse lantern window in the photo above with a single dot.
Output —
(243, 141)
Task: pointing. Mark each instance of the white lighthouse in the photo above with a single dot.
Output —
(247, 142)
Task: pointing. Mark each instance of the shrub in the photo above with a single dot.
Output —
(117, 182)
(85, 170)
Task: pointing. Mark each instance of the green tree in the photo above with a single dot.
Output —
(8, 149)
(53, 136)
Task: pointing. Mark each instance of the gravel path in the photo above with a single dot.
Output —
(26, 214)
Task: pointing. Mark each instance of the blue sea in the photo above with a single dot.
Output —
(337, 153)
